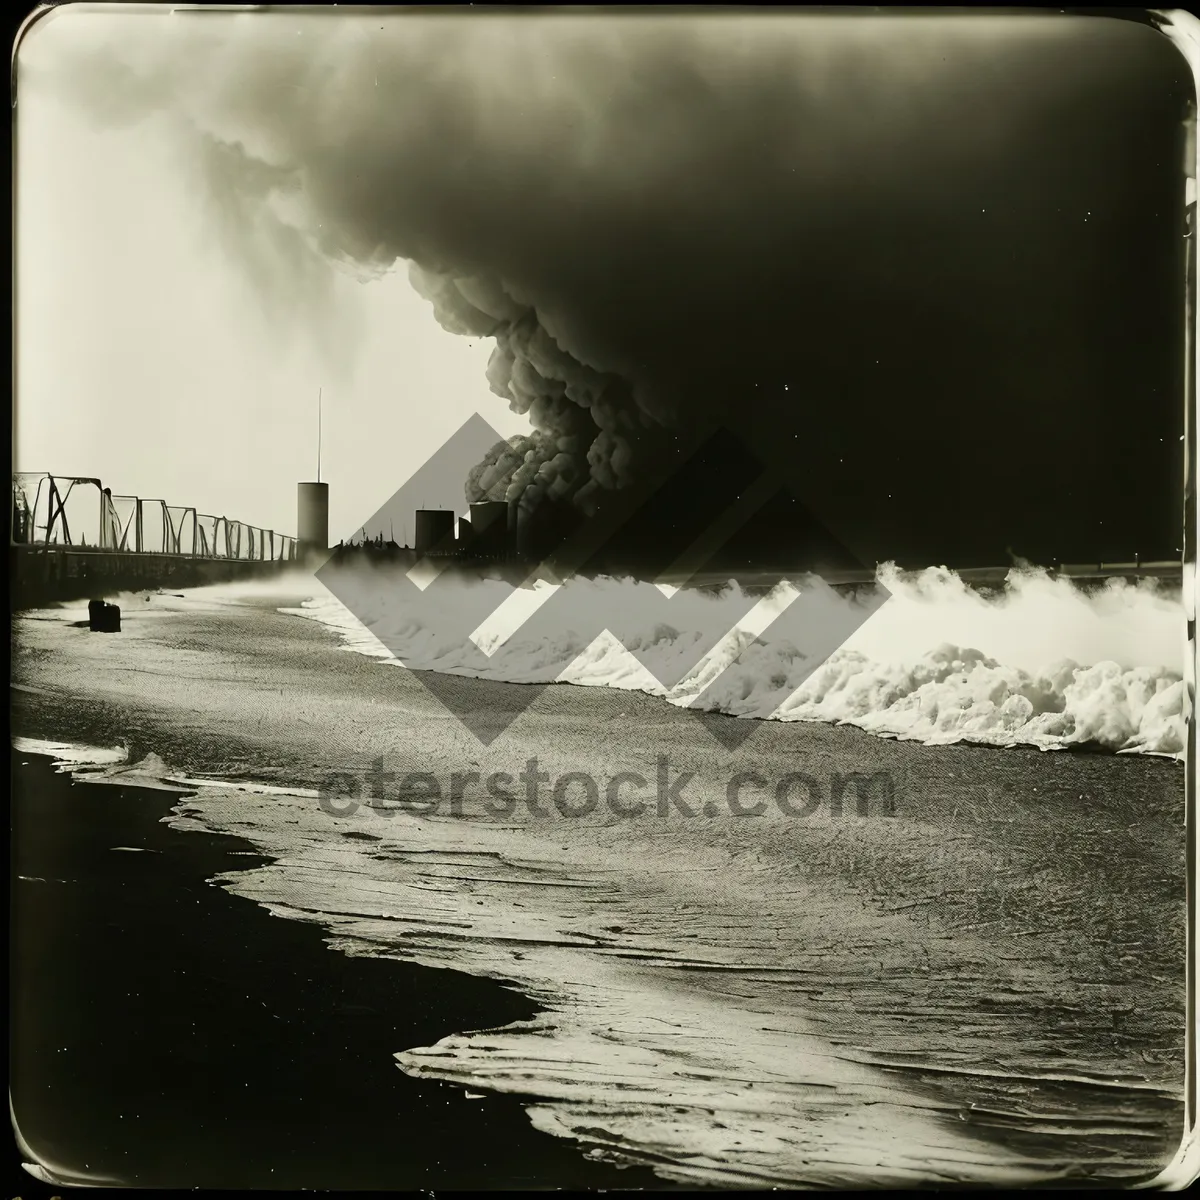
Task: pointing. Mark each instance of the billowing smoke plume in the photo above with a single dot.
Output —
(828, 233)
(583, 419)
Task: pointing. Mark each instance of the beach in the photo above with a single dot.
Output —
(171, 1034)
(980, 983)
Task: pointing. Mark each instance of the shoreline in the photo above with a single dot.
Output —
(219, 1047)
(272, 701)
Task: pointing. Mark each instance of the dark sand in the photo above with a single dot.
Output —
(167, 1034)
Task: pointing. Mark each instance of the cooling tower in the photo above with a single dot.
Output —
(435, 531)
(489, 520)
(486, 513)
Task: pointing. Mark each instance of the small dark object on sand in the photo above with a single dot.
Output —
(104, 617)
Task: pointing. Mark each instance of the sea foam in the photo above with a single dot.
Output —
(1039, 661)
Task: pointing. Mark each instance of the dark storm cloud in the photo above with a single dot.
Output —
(912, 251)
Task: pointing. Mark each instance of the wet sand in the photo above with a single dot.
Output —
(167, 1034)
(986, 986)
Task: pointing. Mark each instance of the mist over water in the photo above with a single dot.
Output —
(1038, 662)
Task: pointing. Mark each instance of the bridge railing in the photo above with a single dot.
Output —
(81, 513)
(58, 510)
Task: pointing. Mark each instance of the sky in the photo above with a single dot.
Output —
(145, 356)
(932, 266)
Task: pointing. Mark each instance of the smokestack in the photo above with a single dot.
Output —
(312, 519)
(312, 506)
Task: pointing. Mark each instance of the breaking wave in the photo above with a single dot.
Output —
(1039, 661)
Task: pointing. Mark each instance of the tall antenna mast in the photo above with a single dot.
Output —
(319, 391)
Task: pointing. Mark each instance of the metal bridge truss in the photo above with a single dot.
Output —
(134, 525)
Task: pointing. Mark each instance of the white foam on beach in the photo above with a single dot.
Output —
(68, 756)
(264, 789)
(1040, 662)
(99, 764)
